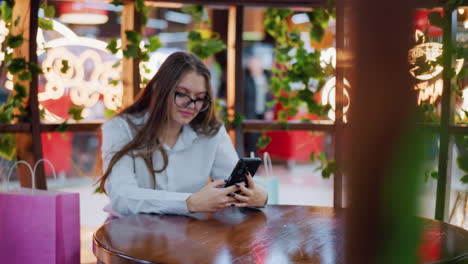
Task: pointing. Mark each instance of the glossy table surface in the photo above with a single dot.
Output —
(276, 234)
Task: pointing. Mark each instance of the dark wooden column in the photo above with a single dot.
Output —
(29, 146)
(380, 155)
(235, 75)
(447, 120)
(339, 101)
(131, 20)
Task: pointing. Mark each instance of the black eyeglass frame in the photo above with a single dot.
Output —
(194, 101)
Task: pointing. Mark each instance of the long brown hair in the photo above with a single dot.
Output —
(154, 100)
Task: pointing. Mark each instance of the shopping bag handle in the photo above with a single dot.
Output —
(30, 169)
(267, 163)
(48, 162)
(33, 171)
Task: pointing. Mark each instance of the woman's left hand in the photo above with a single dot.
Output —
(254, 196)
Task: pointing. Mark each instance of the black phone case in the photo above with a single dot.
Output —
(243, 165)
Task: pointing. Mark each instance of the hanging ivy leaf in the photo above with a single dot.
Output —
(75, 112)
(154, 43)
(25, 76)
(329, 169)
(7, 11)
(13, 41)
(109, 113)
(464, 179)
(63, 127)
(34, 68)
(16, 65)
(435, 18)
(133, 36)
(116, 64)
(49, 11)
(46, 24)
(131, 51)
(112, 46)
(114, 82)
(263, 141)
(20, 90)
(117, 2)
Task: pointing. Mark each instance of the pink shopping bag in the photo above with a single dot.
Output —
(39, 226)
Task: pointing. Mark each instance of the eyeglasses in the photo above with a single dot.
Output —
(184, 100)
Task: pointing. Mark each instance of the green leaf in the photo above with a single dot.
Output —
(133, 37)
(49, 11)
(8, 146)
(75, 112)
(13, 41)
(263, 141)
(154, 43)
(25, 76)
(462, 162)
(63, 127)
(116, 64)
(312, 157)
(16, 65)
(464, 179)
(435, 18)
(144, 56)
(117, 2)
(139, 5)
(7, 11)
(109, 113)
(98, 190)
(114, 82)
(17, 20)
(46, 24)
(20, 90)
(131, 51)
(34, 68)
(112, 46)
(65, 66)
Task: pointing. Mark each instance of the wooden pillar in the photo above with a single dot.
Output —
(235, 75)
(382, 150)
(339, 101)
(447, 120)
(28, 146)
(131, 20)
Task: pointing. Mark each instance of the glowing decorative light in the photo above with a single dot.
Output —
(83, 13)
(461, 11)
(432, 86)
(328, 56)
(329, 94)
(465, 24)
(464, 106)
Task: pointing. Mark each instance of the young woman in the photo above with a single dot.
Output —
(159, 152)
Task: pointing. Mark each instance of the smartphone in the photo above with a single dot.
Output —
(243, 166)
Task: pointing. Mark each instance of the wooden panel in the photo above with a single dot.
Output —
(28, 146)
(381, 194)
(80, 127)
(130, 68)
(338, 143)
(263, 125)
(272, 3)
(15, 128)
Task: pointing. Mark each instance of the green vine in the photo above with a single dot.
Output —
(201, 41)
(294, 64)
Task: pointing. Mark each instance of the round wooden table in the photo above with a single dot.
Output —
(276, 234)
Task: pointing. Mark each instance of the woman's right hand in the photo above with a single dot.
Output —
(211, 198)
